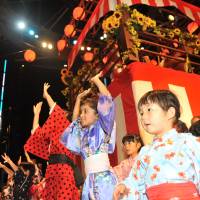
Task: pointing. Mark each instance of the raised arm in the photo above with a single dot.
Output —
(102, 88)
(7, 170)
(36, 111)
(76, 110)
(9, 161)
(46, 96)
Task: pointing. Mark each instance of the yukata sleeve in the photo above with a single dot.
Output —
(71, 137)
(57, 121)
(135, 182)
(106, 112)
(193, 151)
(38, 144)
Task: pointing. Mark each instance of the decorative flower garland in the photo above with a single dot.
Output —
(139, 22)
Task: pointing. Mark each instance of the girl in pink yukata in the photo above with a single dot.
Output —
(131, 145)
(169, 168)
(92, 135)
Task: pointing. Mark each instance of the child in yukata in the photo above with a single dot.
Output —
(169, 168)
(92, 135)
(131, 145)
(60, 176)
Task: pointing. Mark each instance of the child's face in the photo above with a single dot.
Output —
(88, 116)
(155, 120)
(131, 148)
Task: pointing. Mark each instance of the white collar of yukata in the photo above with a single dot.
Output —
(168, 135)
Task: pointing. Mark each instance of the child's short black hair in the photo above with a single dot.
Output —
(195, 129)
(131, 138)
(164, 98)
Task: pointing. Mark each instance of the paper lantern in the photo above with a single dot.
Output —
(29, 55)
(192, 27)
(88, 56)
(61, 44)
(69, 30)
(78, 13)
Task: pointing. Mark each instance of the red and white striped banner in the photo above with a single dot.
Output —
(105, 6)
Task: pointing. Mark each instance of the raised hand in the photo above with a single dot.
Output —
(84, 93)
(96, 77)
(45, 88)
(28, 157)
(6, 158)
(19, 161)
(37, 108)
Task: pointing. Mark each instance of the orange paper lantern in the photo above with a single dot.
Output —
(61, 44)
(192, 27)
(69, 30)
(88, 56)
(78, 13)
(29, 55)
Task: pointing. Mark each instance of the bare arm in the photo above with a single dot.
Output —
(36, 111)
(10, 162)
(102, 88)
(46, 95)
(6, 169)
(76, 110)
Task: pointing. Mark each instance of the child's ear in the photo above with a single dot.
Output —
(171, 112)
(139, 145)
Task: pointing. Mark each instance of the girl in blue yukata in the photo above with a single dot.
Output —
(169, 168)
(92, 135)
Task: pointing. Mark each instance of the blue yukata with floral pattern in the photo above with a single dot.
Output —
(98, 138)
(173, 158)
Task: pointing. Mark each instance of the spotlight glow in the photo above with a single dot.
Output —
(31, 32)
(44, 44)
(50, 46)
(105, 35)
(74, 41)
(89, 48)
(21, 25)
(171, 18)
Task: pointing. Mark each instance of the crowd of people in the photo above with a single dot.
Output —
(167, 169)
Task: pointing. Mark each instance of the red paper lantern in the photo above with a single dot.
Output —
(69, 30)
(192, 27)
(78, 13)
(29, 55)
(88, 56)
(61, 44)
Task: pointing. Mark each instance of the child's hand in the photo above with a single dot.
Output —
(120, 191)
(83, 94)
(6, 158)
(96, 77)
(45, 88)
(37, 108)
(19, 161)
